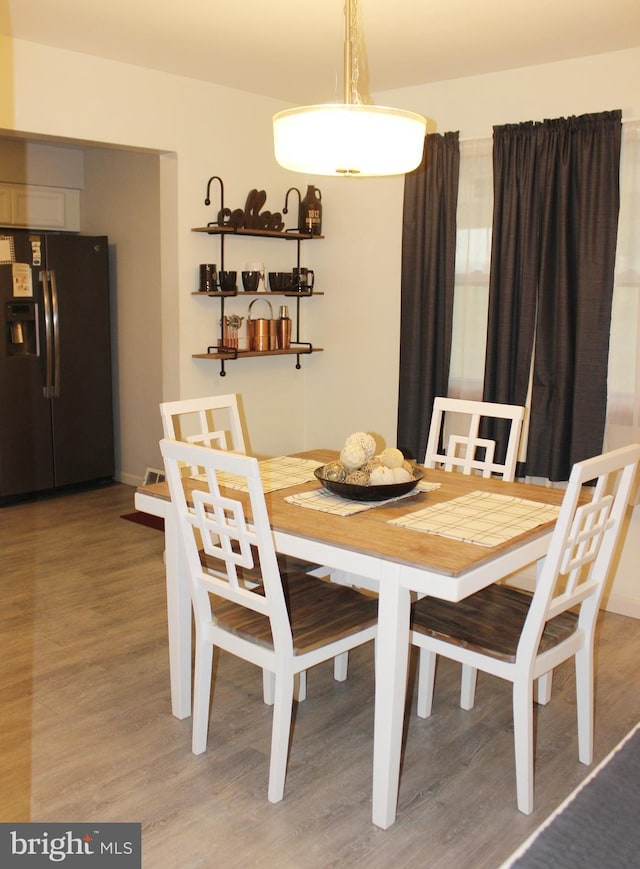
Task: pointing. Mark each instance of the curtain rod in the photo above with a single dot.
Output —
(488, 138)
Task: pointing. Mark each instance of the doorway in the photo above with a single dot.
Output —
(121, 196)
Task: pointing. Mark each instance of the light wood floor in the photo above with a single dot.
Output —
(87, 732)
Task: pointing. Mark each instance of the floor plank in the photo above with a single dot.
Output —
(88, 734)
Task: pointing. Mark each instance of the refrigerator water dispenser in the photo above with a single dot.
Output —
(21, 320)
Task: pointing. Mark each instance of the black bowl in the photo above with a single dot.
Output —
(352, 492)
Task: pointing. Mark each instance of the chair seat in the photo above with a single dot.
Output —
(489, 621)
(320, 612)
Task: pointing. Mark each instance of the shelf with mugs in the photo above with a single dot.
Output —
(224, 231)
(296, 283)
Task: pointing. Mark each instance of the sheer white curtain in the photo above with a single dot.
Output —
(473, 258)
(623, 404)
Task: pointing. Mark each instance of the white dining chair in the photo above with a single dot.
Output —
(454, 443)
(284, 627)
(214, 421)
(460, 438)
(520, 637)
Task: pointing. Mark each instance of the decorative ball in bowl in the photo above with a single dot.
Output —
(372, 492)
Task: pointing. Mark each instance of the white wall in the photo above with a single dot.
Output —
(121, 199)
(217, 131)
(623, 592)
(573, 87)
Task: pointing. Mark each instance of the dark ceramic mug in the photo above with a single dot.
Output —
(250, 281)
(303, 280)
(279, 282)
(227, 281)
(208, 278)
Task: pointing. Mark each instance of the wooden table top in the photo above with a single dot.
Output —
(369, 532)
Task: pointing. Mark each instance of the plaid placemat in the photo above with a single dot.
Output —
(328, 502)
(278, 473)
(484, 518)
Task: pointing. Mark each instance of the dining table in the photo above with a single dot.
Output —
(452, 536)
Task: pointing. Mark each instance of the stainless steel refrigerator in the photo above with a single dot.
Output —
(56, 415)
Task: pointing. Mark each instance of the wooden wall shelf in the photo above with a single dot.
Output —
(302, 350)
(216, 294)
(298, 348)
(293, 235)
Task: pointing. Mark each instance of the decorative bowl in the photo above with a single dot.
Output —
(353, 492)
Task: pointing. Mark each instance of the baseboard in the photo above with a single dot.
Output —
(128, 479)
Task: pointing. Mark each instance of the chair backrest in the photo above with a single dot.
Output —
(460, 448)
(213, 421)
(590, 528)
(217, 525)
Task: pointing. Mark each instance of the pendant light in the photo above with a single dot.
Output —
(353, 138)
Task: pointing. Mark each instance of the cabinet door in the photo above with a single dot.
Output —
(27, 205)
(46, 208)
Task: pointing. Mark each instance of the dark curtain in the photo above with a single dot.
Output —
(555, 226)
(428, 267)
(513, 280)
(578, 246)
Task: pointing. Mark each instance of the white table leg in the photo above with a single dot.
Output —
(392, 654)
(179, 621)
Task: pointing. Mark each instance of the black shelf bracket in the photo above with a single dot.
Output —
(302, 352)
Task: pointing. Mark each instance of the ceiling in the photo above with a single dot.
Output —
(292, 49)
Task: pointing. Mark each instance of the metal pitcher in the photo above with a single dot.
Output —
(261, 332)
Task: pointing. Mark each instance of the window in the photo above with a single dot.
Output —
(623, 406)
(473, 259)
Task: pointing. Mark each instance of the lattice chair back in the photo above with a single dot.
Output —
(583, 546)
(218, 527)
(213, 421)
(461, 450)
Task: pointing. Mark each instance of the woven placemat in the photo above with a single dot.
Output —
(483, 518)
(279, 473)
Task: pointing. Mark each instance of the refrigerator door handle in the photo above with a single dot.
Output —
(47, 389)
(55, 392)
